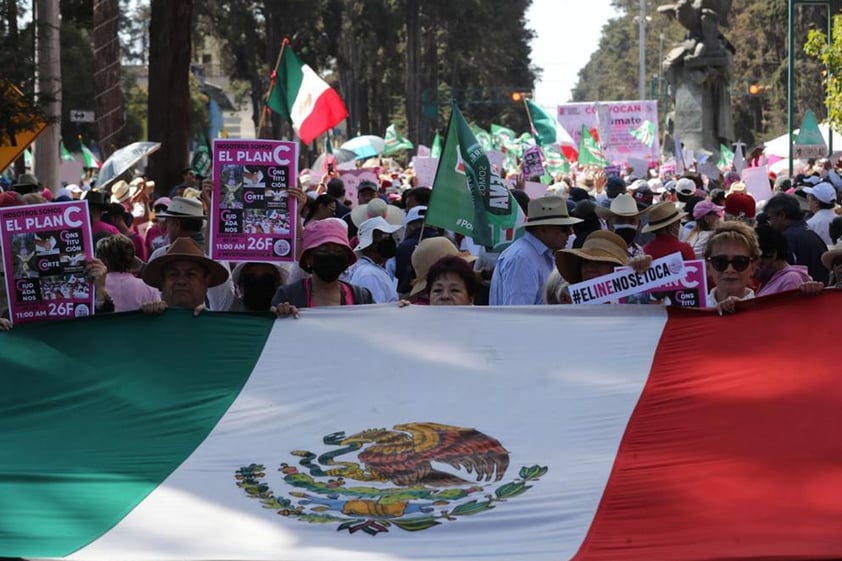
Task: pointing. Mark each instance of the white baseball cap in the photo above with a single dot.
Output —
(365, 233)
(824, 192)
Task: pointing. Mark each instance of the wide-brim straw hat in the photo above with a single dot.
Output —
(427, 253)
(831, 254)
(622, 205)
(183, 249)
(602, 245)
(377, 207)
(183, 207)
(661, 215)
(549, 211)
(122, 191)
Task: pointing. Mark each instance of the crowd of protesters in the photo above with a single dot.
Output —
(151, 251)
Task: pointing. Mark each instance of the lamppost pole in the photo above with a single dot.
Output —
(641, 51)
(790, 86)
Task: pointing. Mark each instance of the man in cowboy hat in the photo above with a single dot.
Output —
(524, 266)
(26, 183)
(623, 218)
(185, 218)
(184, 276)
(665, 223)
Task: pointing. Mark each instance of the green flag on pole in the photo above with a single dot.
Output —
(395, 142)
(589, 153)
(435, 151)
(502, 137)
(554, 160)
(483, 137)
(201, 162)
(468, 196)
(726, 157)
(645, 133)
(66, 156)
(543, 123)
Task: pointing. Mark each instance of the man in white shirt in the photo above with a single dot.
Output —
(376, 245)
(822, 200)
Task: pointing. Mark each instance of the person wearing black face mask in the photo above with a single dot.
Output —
(326, 254)
(256, 285)
(623, 218)
(376, 246)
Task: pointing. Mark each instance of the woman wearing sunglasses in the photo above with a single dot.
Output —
(731, 254)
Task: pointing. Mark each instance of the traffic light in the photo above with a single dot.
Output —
(517, 97)
(756, 89)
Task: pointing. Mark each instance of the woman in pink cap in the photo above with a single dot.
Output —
(326, 254)
(707, 216)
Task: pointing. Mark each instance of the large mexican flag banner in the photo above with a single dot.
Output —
(493, 434)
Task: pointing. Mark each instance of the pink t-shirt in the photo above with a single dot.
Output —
(128, 292)
(98, 226)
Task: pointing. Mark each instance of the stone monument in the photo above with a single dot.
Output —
(699, 71)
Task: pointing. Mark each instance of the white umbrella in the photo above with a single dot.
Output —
(365, 146)
(122, 160)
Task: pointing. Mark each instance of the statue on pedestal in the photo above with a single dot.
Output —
(699, 71)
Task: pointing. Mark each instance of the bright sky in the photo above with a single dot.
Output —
(564, 43)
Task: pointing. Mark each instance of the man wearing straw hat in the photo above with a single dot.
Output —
(524, 266)
(665, 223)
(623, 218)
(184, 276)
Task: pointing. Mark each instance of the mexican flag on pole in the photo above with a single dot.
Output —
(91, 161)
(546, 127)
(395, 142)
(299, 95)
(491, 448)
(468, 196)
(589, 152)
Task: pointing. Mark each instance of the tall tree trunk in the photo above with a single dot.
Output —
(429, 77)
(49, 91)
(413, 72)
(12, 43)
(169, 90)
(108, 99)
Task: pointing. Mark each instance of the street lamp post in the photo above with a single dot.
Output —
(641, 51)
(790, 87)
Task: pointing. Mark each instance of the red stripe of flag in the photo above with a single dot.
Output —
(738, 456)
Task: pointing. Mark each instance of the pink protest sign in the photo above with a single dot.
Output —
(626, 128)
(353, 178)
(45, 248)
(532, 162)
(253, 218)
(425, 171)
(534, 189)
(690, 291)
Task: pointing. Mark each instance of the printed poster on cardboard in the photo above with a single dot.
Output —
(253, 218)
(45, 249)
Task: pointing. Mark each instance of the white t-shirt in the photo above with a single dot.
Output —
(711, 301)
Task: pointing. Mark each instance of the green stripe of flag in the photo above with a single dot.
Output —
(287, 84)
(104, 418)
